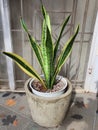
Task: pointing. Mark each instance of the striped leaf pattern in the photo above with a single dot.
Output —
(66, 51)
(46, 52)
(24, 65)
(60, 35)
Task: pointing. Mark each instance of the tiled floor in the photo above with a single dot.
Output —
(15, 114)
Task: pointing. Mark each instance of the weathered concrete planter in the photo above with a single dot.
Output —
(48, 112)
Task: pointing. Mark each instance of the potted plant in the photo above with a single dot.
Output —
(48, 94)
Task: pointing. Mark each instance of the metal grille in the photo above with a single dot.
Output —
(82, 12)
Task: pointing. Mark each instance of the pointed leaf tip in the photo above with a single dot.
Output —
(23, 25)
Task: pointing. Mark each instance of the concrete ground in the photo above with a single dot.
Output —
(15, 114)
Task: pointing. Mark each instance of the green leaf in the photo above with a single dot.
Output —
(48, 22)
(36, 49)
(44, 34)
(47, 53)
(24, 65)
(23, 25)
(34, 45)
(58, 40)
(65, 52)
(49, 50)
(46, 18)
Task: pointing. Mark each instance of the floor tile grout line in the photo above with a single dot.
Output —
(26, 125)
(22, 115)
(94, 122)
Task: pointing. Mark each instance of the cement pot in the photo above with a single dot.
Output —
(48, 112)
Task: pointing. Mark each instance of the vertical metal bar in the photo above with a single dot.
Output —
(7, 40)
(36, 34)
(23, 51)
(82, 36)
(74, 8)
(25, 47)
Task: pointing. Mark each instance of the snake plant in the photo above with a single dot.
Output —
(46, 52)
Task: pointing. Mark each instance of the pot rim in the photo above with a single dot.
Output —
(50, 94)
(68, 92)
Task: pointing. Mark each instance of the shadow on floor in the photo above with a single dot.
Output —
(81, 114)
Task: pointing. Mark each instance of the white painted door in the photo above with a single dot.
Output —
(91, 82)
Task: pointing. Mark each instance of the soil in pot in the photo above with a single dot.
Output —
(39, 87)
